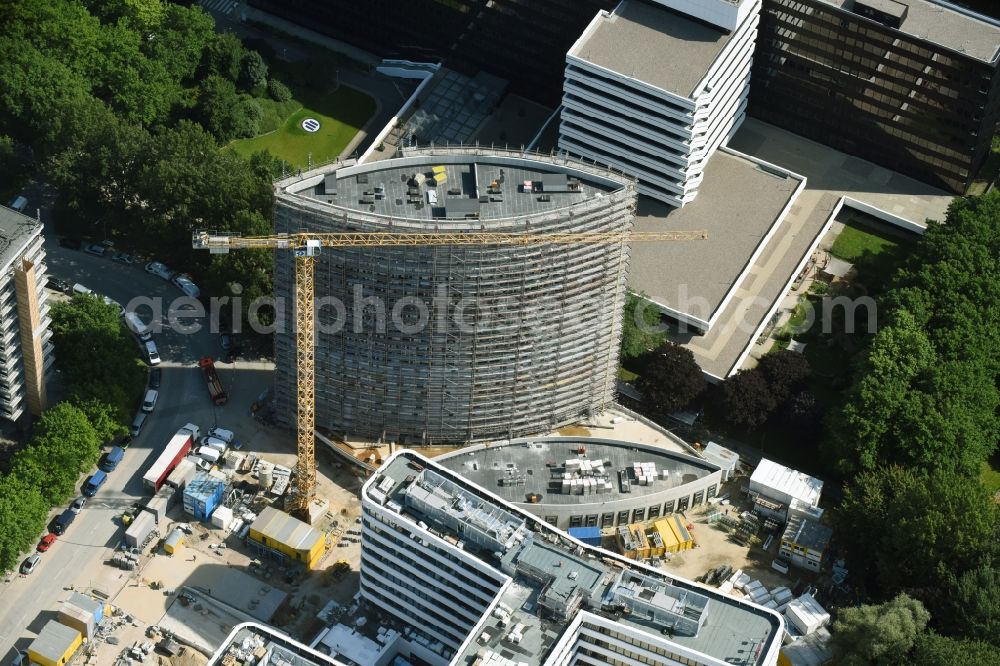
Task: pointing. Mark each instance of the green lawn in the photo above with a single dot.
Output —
(340, 113)
(854, 243)
(990, 476)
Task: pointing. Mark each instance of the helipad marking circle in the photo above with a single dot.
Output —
(310, 124)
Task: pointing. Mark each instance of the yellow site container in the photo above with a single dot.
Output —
(290, 536)
(55, 646)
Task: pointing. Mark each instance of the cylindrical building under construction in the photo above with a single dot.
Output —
(452, 344)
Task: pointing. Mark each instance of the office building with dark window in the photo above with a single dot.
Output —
(910, 85)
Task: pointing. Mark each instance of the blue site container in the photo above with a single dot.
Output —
(202, 495)
(589, 535)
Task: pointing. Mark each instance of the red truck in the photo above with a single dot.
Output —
(173, 453)
(215, 390)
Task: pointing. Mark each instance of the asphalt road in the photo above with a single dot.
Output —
(27, 602)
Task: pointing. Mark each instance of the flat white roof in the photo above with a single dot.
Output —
(652, 44)
(797, 485)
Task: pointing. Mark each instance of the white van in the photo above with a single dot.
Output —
(223, 434)
(208, 454)
(19, 204)
(215, 443)
(80, 289)
(154, 356)
(149, 402)
(135, 324)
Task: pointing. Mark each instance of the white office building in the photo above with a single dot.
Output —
(653, 88)
(26, 351)
(470, 579)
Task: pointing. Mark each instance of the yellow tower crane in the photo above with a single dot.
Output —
(307, 246)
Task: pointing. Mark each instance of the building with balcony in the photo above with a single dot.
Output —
(457, 343)
(26, 351)
(910, 85)
(471, 579)
(654, 88)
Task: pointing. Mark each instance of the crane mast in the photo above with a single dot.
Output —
(307, 246)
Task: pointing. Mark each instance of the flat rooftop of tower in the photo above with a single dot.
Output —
(695, 278)
(580, 579)
(16, 230)
(652, 44)
(537, 466)
(461, 185)
(952, 27)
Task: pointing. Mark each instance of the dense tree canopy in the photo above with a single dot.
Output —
(108, 94)
(671, 379)
(908, 530)
(99, 361)
(926, 391)
(878, 634)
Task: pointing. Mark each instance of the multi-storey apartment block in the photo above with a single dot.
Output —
(655, 88)
(25, 347)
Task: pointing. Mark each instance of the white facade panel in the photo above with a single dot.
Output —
(663, 139)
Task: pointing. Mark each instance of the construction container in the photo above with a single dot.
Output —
(78, 619)
(184, 472)
(588, 535)
(82, 613)
(202, 494)
(159, 503)
(279, 532)
(222, 517)
(174, 541)
(55, 645)
(141, 527)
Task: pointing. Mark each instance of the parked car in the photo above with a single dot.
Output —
(186, 285)
(137, 423)
(151, 353)
(96, 249)
(226, 436)
(71, 243)
(154, 378)
(63, 521)
(78, 504)
(47, 542)
(80, 289)
(94, 483)
(123, 258)
(112, 458)
(58, 285)
(30, 564)
(149, 401)
(159, 270)
(19, 203)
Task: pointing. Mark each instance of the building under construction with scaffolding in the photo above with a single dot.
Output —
(436, 344)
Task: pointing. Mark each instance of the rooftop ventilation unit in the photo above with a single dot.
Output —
(887, 12)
